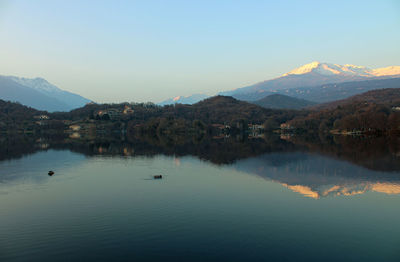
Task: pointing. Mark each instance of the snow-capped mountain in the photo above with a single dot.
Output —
(345, 70)
(184, 99)
(307, 78)
(387, 71)
(39, 93)
(37, 83)
(312, 74)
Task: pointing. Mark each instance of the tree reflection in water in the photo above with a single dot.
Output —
(315, 167)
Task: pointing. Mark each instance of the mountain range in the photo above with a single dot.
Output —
(39, 93)
(310, 81)
(312, 75)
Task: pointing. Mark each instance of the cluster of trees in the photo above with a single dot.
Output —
(181, 118)
(216, 110)
(89, 111)
(14, 116)
(355, 117)
(12, 112)
(148, 117)
(274, 121)
(161, 126)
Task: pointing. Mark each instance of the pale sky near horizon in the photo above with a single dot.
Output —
(115, 51)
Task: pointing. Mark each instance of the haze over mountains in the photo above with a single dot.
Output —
(311, 83)
(308, 82)
(39, 94)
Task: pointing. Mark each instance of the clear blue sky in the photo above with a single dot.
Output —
(152, 50)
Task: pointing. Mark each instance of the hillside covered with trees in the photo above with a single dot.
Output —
(16, 116)
(376, 111)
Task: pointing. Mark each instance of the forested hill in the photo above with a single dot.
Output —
(390, 96)
(10, 111)
(373, 111)
(218, 109)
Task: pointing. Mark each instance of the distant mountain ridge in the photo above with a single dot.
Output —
(39, 94)
(278, 101)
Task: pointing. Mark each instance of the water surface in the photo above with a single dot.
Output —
(271, 205)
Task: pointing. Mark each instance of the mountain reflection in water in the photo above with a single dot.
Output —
(311, 166)
(316, 176)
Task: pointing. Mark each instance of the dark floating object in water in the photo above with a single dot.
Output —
(51, 173)
(158, 177)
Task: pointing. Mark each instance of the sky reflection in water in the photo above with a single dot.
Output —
(287, 205)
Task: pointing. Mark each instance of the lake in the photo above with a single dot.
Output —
(267, 199)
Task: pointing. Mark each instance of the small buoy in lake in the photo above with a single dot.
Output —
(51, 173)
(158, 177)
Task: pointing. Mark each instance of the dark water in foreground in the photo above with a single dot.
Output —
(286, 202)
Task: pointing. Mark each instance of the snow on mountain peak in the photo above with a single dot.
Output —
(345, 70)
(37, 83)
(354, 66)
(386, 71)
(176, 98)
(329, 69)
(323, 69)
(303, 69)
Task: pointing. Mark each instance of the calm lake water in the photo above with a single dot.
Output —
(288, 202)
